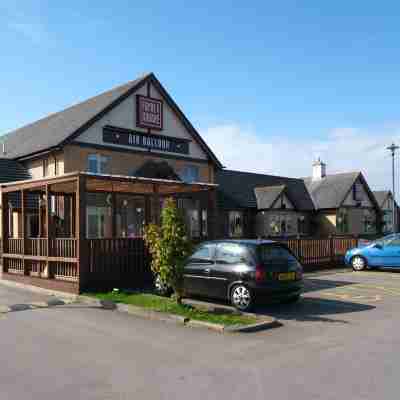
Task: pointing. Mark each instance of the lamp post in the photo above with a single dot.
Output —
(392, 148)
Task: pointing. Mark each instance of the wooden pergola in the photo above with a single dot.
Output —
(68, 260)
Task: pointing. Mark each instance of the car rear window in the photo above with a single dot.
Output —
(274, 254)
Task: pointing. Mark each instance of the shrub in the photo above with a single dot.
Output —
(169, 247)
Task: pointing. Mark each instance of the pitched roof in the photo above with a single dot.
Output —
(11, 171)
(330, 191)
(57, 129)
(54, 129)
(381, 196)
(237, 189)
(266, 195)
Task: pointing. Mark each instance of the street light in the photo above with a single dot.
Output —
(392, 148)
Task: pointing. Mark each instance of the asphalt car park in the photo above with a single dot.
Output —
(338, 341)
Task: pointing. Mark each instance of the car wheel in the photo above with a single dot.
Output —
(242, 297)
(358, 263)
(161, 288)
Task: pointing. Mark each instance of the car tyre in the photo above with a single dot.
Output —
(242, 297)
(358, 263)
(161, 288)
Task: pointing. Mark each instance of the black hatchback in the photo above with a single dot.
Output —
(243, 271)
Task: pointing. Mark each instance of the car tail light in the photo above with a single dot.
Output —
(260, 273)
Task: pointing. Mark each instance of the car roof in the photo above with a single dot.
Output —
(242, 241)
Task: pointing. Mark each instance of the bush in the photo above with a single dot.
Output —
(169, 247)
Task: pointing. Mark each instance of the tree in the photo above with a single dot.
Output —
(169, 247)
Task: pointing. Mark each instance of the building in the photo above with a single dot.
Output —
(87, 179)
(386, 202)
(258, 205)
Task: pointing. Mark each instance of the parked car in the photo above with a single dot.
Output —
(381, 253)
(242, 271)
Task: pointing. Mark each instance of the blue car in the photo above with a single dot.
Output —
(381, 253)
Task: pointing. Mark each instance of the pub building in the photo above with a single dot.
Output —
(78, 187)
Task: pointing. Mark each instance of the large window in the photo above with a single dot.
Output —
(99, 215)
(190, 209)
(190, 173)
(282, 224)
(235, 223)
(130, 217)
(98, 164)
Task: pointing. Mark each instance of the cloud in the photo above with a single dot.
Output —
(343, 149)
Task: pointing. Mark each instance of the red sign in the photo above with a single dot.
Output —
(149, 112)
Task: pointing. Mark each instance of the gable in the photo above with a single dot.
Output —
(283, 202)
(171, 139)
(366, 200)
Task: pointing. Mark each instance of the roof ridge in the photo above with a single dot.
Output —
(260, 174)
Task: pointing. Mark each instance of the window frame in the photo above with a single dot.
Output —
(99, 159)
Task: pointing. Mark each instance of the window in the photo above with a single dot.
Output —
(369, 222)
(231, 253)
(282, 224)
(99, 215)
(203, 253)
(274, 254)
(204, 223)
(98, 164)
(190, 209)
(342, 221)
(235, 223)
(358, 192)
(190, 173)
(130, 216)
(387, 221)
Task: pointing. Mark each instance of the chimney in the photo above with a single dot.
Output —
(319, 170)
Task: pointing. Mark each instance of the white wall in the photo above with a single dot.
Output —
(124, 116)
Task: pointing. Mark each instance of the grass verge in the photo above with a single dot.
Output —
(168, 305)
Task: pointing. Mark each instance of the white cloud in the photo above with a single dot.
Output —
(343, 149)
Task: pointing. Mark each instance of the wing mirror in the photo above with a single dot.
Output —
(377, 246)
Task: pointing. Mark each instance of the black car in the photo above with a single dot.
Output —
(242, 271)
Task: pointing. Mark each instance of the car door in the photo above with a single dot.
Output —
(391, 253)
(229, 259)
(197, 269)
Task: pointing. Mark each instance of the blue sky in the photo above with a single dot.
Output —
(270, 85)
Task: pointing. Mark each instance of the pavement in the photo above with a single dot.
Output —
(339, 342)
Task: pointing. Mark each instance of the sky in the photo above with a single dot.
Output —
(270, 85)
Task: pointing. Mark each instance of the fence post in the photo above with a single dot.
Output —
(298, 246)
(332, 250)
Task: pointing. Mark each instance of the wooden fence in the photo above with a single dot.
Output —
(116, 263)
(321, 252)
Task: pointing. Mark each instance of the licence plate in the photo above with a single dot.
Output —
(287, 276)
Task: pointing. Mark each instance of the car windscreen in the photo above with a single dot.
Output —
(275, 255)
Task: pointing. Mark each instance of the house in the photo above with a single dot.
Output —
(258, 205)
(83, 182)
(386, 202)
(344, 203)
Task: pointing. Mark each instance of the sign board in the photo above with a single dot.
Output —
(127, 137)
(149, 112)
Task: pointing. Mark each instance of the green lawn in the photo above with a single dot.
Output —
(168, 305)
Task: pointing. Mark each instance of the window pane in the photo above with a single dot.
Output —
(190, 209)
(235, 224)
(204, 223)
(203, 253)
(92, 163)
(190, 174)
(130, 216)
(230, 253)
(99, 215)
(104, 163)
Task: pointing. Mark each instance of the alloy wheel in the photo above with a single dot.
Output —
(241, 297)
(358, 263)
